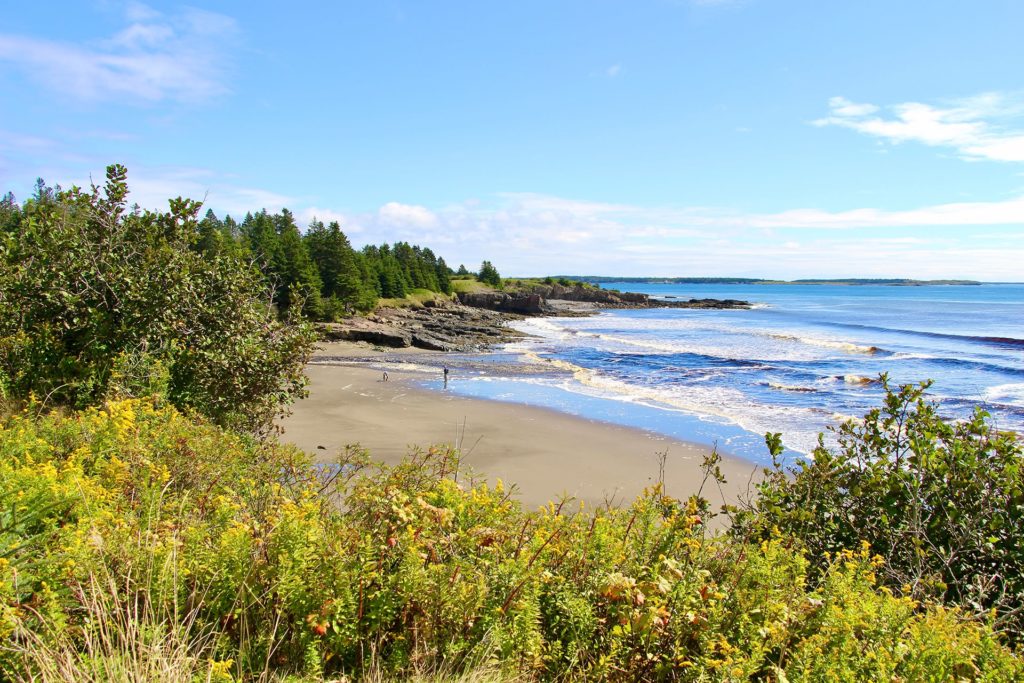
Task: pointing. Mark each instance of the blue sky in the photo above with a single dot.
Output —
(766, 138)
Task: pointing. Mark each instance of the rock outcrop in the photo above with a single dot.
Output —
(478, 321)
(521, 303)
(603, 297)
(365, 330)
(440, 327)
(698, 303)
(610, 298)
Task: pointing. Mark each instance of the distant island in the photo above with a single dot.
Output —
(891, 282)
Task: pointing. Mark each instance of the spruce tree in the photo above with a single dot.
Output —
(489, 275)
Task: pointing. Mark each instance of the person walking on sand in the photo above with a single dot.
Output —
(385, 376)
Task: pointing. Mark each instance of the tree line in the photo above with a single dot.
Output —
(320, 271)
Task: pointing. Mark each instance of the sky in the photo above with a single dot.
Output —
(748, 138)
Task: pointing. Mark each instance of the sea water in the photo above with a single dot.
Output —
(804, 357)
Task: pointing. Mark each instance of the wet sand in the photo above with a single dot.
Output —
(546, 454)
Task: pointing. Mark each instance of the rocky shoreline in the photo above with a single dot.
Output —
(441, 327)
(479, 320)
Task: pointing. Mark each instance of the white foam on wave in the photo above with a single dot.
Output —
(714, 403)
(907, 355)
(825, 343)
(1012, 394)
(545, 328)
(699, 336)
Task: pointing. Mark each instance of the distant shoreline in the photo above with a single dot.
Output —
(852, 282)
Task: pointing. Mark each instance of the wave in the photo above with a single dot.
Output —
(790, 387)
(758, 355)
(849, 347)
(707, 402)
(837, 344)
(1012, 394)
(977, 365)
(1004, 342)
(859, 380)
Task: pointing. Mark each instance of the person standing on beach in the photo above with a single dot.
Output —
(385, 376)
(445, 375)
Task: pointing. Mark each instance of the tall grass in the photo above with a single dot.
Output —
(125, 636)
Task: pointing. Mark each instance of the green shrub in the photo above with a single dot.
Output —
(941, 502)
(94, 294)
(278, 568)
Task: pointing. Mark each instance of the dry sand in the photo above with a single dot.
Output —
(546, 454)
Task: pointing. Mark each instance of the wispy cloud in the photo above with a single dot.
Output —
(977, 128)
(151, 187)
(613, 71)
(539, 234)
(155, 57)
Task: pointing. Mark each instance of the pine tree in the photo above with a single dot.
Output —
(489, 275)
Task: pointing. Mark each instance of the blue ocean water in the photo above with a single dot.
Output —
(805, 357)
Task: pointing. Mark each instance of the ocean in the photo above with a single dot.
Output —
(803, 358)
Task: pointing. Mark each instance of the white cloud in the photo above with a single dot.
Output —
(613, 71)
(841, 106)
(407, 215)
(1008, 212)
(155, 58)
(534, 234)
(151, 187)
(307, 215)
(974, 127)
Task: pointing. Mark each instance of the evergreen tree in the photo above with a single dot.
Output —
(298, 279)
(489, 275)
(10, 215)
(444, 276)
(341, 277)
(260, 239)
(210, 236)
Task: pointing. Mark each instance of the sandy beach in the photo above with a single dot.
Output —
(546, 454)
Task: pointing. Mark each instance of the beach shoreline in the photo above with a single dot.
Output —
(546, 454)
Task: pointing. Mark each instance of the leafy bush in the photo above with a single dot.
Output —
(99, 299)
(278, 568)
(941, 502)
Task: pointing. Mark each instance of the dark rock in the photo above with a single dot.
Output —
(431, 343)
(359, 329)
(700, 303)
(524, 304)
(604, 297)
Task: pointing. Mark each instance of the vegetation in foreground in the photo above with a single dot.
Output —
(941, 502)
(137, 540)
(150, 531)
(98, 299)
